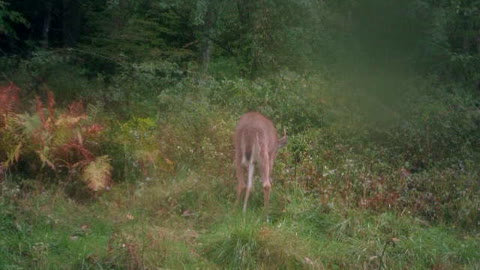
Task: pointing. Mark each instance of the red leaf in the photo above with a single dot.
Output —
(76, 108)
(39, 108)
(51, 104)
(94, 129)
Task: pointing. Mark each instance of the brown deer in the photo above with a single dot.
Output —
(256, 140)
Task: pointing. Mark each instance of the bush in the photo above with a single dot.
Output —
(60, 140)
(288, 99)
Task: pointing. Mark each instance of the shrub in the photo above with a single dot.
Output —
(140, 149)
(59, 140)
(288, 99)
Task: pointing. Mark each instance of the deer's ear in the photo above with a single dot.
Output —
(282, 142)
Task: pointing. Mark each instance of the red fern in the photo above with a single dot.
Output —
(76, 109)
(51, 104)
(47, 120)
(93, 129)
(39, 107)
(62, 139)
(9, 100)
(75, 154)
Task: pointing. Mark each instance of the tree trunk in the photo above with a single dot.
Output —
(206, 45)
(253, 20)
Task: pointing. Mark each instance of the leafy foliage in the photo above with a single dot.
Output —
(59, 140)
(8, 18)
(9, 100)
(141, 145)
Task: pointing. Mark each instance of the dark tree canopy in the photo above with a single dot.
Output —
(255, 36)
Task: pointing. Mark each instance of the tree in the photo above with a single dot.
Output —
(207, 15)
(8, 18)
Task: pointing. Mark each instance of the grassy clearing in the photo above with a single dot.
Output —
(185, 223)
(362, 184)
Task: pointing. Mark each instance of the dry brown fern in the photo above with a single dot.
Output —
(97, 174)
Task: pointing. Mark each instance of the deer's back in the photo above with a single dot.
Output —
(254, 128)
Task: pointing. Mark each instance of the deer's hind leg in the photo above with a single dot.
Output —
(265, 172)
(251, 168)
(241, 181)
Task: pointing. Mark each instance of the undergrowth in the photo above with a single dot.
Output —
(362, 183)
(153, 226)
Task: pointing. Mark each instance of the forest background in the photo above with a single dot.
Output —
(117, 116)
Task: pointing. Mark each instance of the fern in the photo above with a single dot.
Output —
(69, 120)
(58, 139)
(76, 148)
(93, 129)
(76, 109)
(39, 108)
(51, 104)
(62, 136)
(30, 124)
(97, 174)
(13, 156)
(9, 100)
(11, 140)
(44, 154)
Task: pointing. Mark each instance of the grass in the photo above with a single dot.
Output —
(183, 222)
(350, 191)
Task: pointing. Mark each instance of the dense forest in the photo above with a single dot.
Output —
(117, 120)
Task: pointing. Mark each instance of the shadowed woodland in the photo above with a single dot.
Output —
(117, 120)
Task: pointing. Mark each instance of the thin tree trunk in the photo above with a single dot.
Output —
(206, 42)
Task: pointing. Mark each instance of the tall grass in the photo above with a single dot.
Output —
(364, 182)
(152, 226)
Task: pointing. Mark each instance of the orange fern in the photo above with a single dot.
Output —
(39, 108)
(51, 104)
(9, 100)
(76, 108)
(58, 139)
(94, 129)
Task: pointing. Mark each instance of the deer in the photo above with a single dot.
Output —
(256, 141)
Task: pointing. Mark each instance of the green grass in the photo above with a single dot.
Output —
(185, 223)
(390, 188)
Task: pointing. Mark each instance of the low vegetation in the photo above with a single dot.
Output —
(349, 191)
